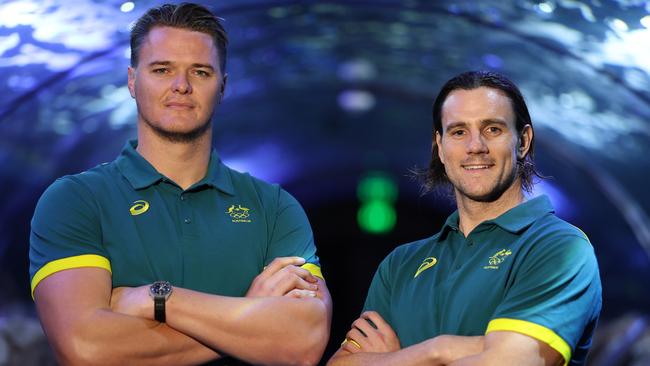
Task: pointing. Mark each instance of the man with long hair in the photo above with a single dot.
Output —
(505, 281)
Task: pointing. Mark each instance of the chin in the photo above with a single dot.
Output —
(482, 194)
(182, 135)
(485, 197)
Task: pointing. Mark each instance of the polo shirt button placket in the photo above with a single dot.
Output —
(187, 220)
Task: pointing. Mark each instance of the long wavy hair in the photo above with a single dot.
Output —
(435, 176)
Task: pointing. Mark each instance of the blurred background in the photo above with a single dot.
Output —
(332, 99)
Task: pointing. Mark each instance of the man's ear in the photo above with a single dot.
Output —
(525, 140)
(131, 81)
(222, 89)
(438, 143)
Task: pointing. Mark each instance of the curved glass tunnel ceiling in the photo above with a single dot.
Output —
(342, 87)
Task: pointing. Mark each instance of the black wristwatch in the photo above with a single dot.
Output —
(160, 292)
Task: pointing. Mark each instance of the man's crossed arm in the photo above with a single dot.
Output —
(372, 341)
(284, 319)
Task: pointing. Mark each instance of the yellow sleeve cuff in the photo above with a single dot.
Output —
(313, 269)
(78, 261)
(533, 330)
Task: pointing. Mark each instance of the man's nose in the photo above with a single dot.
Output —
(182, 84)
(476, 144)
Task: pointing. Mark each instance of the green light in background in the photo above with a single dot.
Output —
(376, 217)
(377, 186)
(377, 193)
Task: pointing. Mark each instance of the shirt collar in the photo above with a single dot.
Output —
(141, 174)
(218, 175)
(513, 220)
(522, 216)
(450, 224)
(135, 168)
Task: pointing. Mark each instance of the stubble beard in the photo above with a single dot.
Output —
(495, 193)
(185, 137)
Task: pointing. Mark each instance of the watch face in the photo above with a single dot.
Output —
(161, 288)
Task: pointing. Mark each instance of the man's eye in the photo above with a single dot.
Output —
(202, 73)
(457, 133)
(494, 130)
(161, 70)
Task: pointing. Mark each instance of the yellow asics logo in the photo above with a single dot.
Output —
(139, 207)
(428, 263)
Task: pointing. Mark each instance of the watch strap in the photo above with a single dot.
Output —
(159, 308)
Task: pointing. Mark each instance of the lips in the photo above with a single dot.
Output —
(179, 105)
(477, 166)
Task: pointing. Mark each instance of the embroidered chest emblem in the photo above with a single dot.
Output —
(426, 264)
(239, 213)
(139, 207)
(498, 258)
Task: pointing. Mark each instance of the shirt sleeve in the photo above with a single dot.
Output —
(65, 232)
(555, 297)
(291, 234)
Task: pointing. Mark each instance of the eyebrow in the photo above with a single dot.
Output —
(484, 122)
(169, 63)
(493, 121)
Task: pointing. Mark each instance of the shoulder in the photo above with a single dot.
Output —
(552, 226)
(244, 182)
(88, 180)
(72, 186)
(551, 233)
(408, 253)
(415, 247)
(269, 195)
(76, 189)
(558, 249)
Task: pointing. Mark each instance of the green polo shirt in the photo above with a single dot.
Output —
(127, 218)
(526, 271)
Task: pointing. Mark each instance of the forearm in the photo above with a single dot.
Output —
(73, 306)
(268, 330)
(415, 355)
(438, 351)
(512, 348)
(505, 356)
(449, 348)
(107, 338)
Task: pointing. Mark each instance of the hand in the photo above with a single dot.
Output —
(284, 277)
(364, 337)
(134, 301)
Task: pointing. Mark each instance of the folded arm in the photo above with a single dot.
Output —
(284, 319)
(372, 341)
(73, 306)
(268, 330)
(375, 343)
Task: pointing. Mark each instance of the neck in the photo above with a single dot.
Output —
(185, 163)
(471, 213)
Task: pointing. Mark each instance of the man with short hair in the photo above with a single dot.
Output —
(166, 256)
(504, 282)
